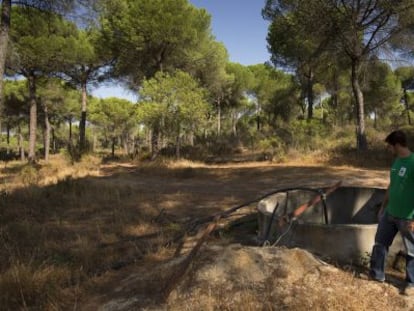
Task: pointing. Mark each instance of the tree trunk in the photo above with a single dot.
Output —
(33, 118)
(148, 140)
(162, 141)
(70, 129)
(157, 138)
(95, 142)
(191, 138)
(258, 114)
(82, 123)
(177, 145)
(8, 134)
(154, 142)
(309, 94)
(359, 101)
(21, 148)
(302, 102)
(47, 133)
(126, 143)
(52, 131)
(113, 147)
(218, 116)
(335, 98)
(234, 123)
(407, 106)
(4, 40)
(136, 147)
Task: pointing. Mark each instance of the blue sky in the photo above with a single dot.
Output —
(238, 24)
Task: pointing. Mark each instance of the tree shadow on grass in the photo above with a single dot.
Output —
(98, 224)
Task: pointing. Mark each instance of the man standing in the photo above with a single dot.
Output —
(397, 211)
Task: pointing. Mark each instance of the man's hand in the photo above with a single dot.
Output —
(410, 225)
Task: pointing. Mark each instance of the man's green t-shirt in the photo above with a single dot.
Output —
(401, 190)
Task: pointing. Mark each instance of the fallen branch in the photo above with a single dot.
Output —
(315, 200)
(193, 225)
(179, 273)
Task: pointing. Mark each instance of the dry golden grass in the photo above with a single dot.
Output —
(57, 217)
(24, 287)
(64, 229)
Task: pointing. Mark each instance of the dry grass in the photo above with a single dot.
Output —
(61, 225)
(65, 228)
(26, 287)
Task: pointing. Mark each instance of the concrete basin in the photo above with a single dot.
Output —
(342, 230)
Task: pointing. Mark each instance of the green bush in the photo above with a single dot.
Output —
(309, 135)
(272, 148)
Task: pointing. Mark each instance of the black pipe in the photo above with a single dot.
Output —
(271, 221)
(195, 223)
(325, 209)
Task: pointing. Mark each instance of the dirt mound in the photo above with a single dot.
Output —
(251, 278)
(236, 277)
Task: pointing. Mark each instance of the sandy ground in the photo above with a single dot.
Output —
(203, 190)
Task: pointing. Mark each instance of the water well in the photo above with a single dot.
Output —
(343, 229)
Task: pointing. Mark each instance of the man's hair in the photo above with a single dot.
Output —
(397, 137)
